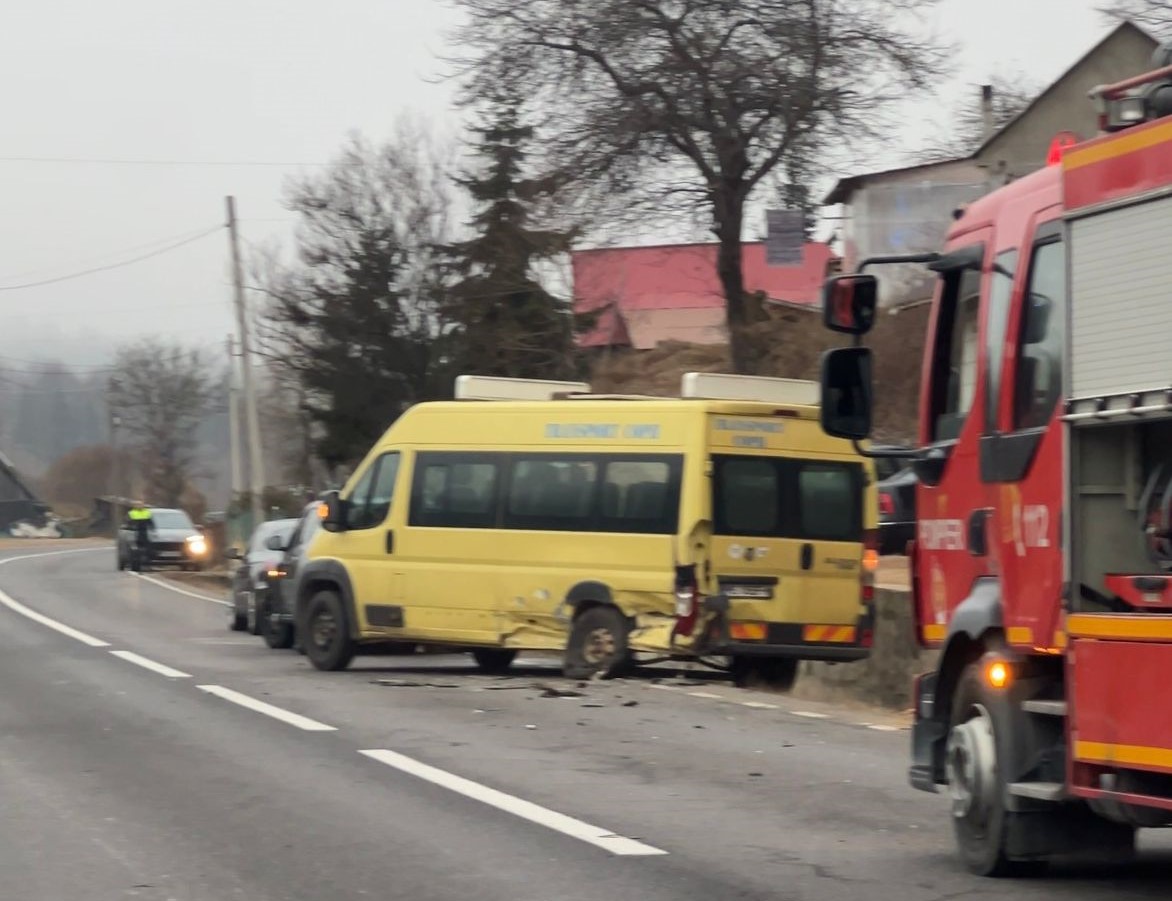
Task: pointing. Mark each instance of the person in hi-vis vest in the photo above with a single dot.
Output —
(141, 521)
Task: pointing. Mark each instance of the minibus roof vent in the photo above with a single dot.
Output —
(721, 386)
(487, 387)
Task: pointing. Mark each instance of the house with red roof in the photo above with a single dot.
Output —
(639, 297)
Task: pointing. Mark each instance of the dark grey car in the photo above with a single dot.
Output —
(250, 580)
(276, 610)
(897, 502)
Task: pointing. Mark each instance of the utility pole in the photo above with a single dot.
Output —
(115, 469)
(234, 421)
(255, 463)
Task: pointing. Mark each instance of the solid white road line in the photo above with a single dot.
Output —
(183, 591)
(17, 607)
(277, 713)
(161, 668)
(594, 835)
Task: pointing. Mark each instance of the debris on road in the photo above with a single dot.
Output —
(407, 683)
(549, 691)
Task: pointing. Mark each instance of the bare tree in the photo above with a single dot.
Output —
(162, 392)
(670, 104)
(1155, 15)
(965, 130)
(354, 318)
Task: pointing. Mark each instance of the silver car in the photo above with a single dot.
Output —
(265, 550)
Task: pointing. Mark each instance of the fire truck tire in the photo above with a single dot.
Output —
(597, 645)
(978, 738)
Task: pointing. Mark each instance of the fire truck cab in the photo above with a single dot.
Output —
(1042, 562)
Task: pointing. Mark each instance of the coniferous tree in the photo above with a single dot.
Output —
(503, 321)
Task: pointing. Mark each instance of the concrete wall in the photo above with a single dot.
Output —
(907, 212)
(1021, 147)
(885, 678)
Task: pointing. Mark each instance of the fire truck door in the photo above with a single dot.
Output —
(1022, 457)
(948, 494)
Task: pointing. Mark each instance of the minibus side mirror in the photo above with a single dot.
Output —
(332, 512)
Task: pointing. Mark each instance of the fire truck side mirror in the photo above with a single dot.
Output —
(849, 302)
(846, 392)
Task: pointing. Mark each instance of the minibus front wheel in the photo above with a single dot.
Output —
(326, 638)
(597, 645)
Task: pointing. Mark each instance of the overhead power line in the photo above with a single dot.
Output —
(138, 259)
(100, 259)
(111, 161)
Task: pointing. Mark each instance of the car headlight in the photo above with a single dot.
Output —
(197, 545)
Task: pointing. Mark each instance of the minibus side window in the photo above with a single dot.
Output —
(371, 499)
(454, 493)
(551, 493)
(640, 496)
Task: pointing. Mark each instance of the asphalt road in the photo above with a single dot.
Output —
(138, 759)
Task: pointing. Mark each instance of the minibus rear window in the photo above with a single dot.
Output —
(780, 497)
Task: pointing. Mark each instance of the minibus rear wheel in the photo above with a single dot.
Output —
(494, 661)
(774, 673)
(597, 645)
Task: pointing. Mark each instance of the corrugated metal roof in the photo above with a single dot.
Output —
(679, 280)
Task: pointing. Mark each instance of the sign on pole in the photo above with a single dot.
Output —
(785, 234)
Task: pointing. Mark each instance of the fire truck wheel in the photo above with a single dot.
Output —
(979, 730)
(597, 645)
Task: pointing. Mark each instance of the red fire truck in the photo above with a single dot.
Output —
(1042, 562)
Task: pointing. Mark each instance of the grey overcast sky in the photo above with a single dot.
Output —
(277, 83)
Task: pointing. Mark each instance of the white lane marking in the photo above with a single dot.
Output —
(277, 713)
(17, 607)
(594, 835)
(161, 668)
(183, 591)
(705, 694)
(760, 705)
(882, 728)
(810, 714)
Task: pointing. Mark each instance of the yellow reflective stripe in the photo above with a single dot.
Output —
(1020, 635)
(1124, 755)
(1096, 625)
(829, 634)
(1121, 146)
